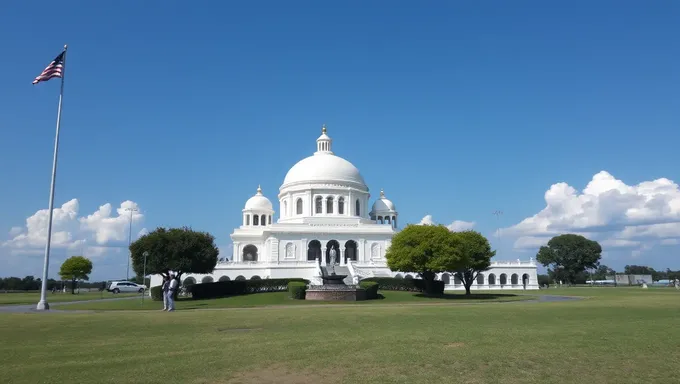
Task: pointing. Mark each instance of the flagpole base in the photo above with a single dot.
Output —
(42, 306)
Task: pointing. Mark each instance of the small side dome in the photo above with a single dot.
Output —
(383, 205)
(259, 202)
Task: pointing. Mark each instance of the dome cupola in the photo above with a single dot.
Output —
(384, 211)
(258, 210)
(324, 167)
(323, 143)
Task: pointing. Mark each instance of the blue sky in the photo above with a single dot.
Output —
(456, 110)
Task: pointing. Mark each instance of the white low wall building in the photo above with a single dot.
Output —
(325, 218)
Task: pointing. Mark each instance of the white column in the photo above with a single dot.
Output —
(237, 253)
(342, 255)
(349, 204)
(303, 251)
(323, 204)
(323, 253)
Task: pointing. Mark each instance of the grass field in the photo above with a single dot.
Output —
(282, 298)
(616, 335)
(34, 297)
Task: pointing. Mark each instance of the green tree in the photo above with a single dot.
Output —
(426, 250)
(476, 255)
(75, 268)
(602, 272)
(638, 270)
(569, 255)
(181, 250)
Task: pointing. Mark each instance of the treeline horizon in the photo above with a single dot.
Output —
(32, 283)
(603, 271)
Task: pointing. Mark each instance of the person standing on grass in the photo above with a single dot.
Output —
(172, 288)
(164, 291)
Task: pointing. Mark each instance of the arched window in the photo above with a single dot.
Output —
(207, 279)
(394, 221)
(318, 207)
(446, 278)
(249, 253)
(357, 208)
(314, 250)
(298, 207)
(263, 220)
(329, 204)
(256, 220)
(341, 205)
(380, 219)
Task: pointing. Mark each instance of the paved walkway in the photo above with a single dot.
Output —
(28, 308)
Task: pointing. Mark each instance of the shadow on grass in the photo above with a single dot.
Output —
(474, 296)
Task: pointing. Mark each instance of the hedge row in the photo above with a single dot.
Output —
(297, 290)
(156, 294)
(239, 287)
(410, 285)
(371, 288)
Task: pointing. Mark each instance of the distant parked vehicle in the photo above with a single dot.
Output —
(125, 286)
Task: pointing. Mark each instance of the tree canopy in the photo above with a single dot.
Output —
(181, 250)
(568, 255)
(602, 272)
(476, 256)
(75, 268)
(426, 250)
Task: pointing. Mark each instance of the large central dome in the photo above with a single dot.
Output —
(324, 166)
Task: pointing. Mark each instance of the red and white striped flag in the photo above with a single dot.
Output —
(55, 69)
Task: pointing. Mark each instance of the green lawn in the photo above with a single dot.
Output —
(617, 335)
(34, 297)
(282, 298)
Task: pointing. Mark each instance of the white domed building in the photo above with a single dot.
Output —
(324, 204)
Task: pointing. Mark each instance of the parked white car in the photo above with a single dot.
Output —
(125, 286)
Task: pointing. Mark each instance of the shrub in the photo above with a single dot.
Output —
(156, 294)
(371, 288)
(410, 285)
(297, 290)
(239, 287)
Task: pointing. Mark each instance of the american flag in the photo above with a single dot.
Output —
(55, 69)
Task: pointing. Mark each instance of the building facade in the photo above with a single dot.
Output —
(324, 205)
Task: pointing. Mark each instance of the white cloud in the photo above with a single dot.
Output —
(91, 235)
(455, 226)
(670, 241)
(608, 210)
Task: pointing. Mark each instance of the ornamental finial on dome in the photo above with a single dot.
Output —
(323, 143)
(382, 193)
(259, 190)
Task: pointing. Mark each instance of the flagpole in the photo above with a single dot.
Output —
(42, 304)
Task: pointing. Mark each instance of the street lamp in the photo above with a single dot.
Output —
(127, 271)
(145, 254)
